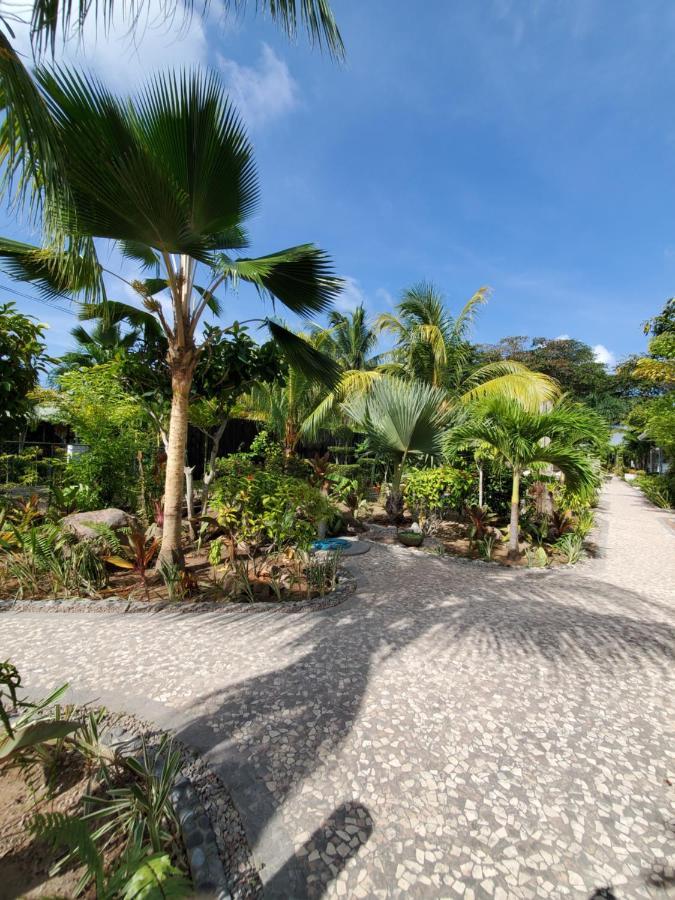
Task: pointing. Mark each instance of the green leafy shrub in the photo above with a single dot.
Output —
(48, 559)
(571, 546)
(659, 489)
(436, 491)
(264, 507)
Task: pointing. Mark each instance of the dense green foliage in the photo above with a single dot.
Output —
(436, 490)
(264, 506)
(113, 426)
(22, 360)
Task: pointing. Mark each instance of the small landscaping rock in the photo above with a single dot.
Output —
(80, 523)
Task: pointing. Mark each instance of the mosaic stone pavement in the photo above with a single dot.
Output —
(452, 730)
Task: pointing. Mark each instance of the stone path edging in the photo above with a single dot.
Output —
(117, 605)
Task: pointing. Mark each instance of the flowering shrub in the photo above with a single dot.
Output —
(265, 508)
(436, 491)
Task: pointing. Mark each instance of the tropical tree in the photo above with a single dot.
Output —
(232, 362)
(282, 406)
(567, 436)
(400, 419)
(102, 344)
(350, 340)
(169, 178)
(433, 347)
(22, 360)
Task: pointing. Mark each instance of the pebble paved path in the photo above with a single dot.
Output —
(452, 730)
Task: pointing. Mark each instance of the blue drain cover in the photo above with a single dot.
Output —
(330, 544)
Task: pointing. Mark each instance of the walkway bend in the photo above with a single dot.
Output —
(453, 730)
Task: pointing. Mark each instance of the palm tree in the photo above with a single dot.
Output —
(432, 346)
(350, 340)
(400, 419)
(169, 178)
(282, 407)
(102, 344)
(31, 151)
(566, 436)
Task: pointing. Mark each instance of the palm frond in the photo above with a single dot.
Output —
(301, 355)
(510, 380)
(56, 274)
(49, 17)
(465, 319)
(153, 185)
(300, 277)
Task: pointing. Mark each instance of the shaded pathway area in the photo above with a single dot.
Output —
(453, 730)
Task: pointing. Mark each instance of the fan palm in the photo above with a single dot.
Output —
(566, 436)
(400, 419)
(169, 178)
(32, 153)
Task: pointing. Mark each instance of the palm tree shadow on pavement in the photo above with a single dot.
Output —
(270, 733)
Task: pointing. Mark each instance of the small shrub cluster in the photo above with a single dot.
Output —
(436, 491)
(265, 508)
(659, 489)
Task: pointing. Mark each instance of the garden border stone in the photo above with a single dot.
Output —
(118, 605)
(212, 875)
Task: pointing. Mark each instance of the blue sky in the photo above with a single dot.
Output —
(525, 145)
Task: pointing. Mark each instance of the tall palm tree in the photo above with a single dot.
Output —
(432, 346)
(401, 419)
(169, 178)
(567, 436)
(350, 339)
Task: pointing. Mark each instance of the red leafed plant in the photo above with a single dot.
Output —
(139, 552)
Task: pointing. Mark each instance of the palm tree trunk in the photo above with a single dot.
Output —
(394, 504)
(515, 513)
(181, 382)
(480, 484)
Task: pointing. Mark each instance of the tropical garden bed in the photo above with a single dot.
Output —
(95, 804)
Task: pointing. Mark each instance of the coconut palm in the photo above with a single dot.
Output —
(100, 345)
(350, 340)
(566, 436)
(282, 406)
(400, 419)
(432, 346)
(168, 178)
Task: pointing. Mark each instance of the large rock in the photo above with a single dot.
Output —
(80, 523)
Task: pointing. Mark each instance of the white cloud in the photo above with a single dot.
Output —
(603, 355)
(121, 57)
(383, 295)
(562, 337)
(352, 296)
(262, 93)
